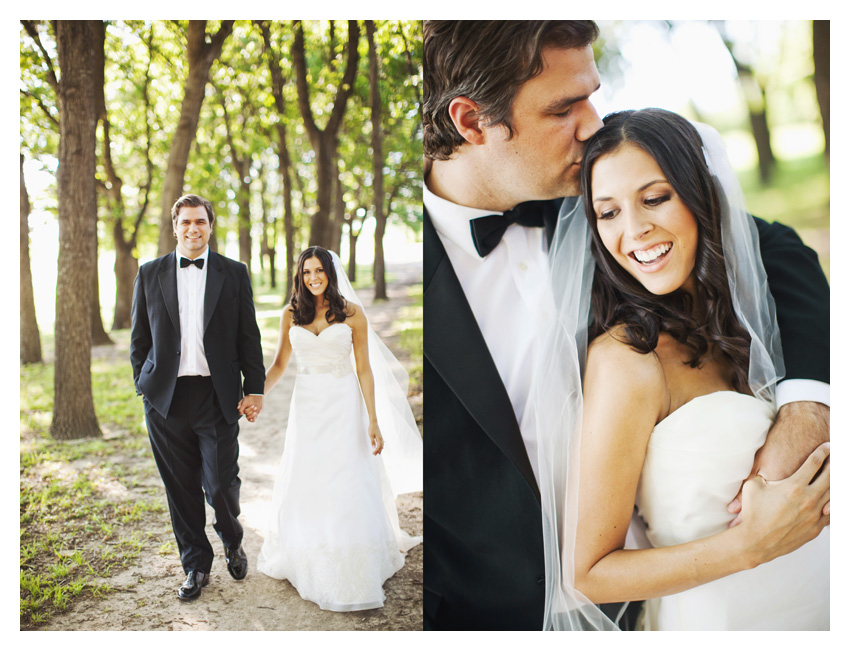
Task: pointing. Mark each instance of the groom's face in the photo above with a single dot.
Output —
(552, 118)
(192, 228)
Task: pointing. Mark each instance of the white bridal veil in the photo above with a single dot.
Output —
(558, 390)
(402, 452)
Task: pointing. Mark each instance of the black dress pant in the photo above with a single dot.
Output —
(196, 451)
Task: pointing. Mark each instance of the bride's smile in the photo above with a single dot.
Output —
(315, 277)
(642, 221)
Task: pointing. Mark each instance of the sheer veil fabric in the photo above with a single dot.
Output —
(402, 452)
(557, 392)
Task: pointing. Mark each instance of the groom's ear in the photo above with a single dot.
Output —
(464, 114)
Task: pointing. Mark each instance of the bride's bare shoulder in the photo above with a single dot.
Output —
(616, 368)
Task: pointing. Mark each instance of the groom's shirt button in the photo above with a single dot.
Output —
(523, 266)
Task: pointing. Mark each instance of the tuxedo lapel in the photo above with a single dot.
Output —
(454, 345)
(215, 281)
(168, 286)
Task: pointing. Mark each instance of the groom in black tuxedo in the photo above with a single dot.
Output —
(506, 114)
(194, 337)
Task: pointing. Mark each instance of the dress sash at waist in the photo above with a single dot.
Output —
(338, 370)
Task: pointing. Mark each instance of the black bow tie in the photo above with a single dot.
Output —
(487, 231)
(198, 262)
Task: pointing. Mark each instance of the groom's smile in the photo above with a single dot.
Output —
(192, 229)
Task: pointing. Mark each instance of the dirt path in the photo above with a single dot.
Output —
(145, 595)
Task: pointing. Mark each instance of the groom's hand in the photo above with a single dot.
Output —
(780, 516)
(800, 427)
(250, 407)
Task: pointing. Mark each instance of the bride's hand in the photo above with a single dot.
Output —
(799, 428)
(376, 439)
(780, 516)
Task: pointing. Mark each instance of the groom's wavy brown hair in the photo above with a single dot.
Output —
(618, 298)
(486, 61)
(303, 302)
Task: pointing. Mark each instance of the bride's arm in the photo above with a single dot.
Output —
(283, 353)
(360, 330)
(625, 396)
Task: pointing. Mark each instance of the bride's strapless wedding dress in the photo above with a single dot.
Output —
(333, 531)
(695, 462)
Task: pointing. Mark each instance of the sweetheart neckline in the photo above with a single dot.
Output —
(705, 395)
(319, 334)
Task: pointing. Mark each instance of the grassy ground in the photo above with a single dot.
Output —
(83, 503)
(798, 197)
(410, 337)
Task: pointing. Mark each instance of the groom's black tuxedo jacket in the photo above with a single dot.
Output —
(483, 560)
(232, 341)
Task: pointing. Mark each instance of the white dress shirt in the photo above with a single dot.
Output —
(799, 390)
(509, 293)
(191, 288)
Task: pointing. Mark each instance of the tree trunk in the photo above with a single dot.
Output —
(285, 163)
(820, 49)
(73, 410)
(30, 339)
(338, 212)
(324, 142)
(126, 259)
(756, 99)
(377, 165)
(352, 251)
(761, 134)
(288, 224)
(98, 333)
(269, 239)
(126, 268)
(320, 222)
(201, 56)
(245, 221)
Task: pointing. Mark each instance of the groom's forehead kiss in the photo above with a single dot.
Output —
(489, 62)
(519, 117)
(552, 118)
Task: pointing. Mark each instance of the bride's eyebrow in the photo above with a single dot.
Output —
(640, 189)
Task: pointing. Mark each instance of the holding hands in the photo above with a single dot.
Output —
(250, 407)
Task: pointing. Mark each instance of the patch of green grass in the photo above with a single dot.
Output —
(409, 324)
(79, 522)
(797, 196)
(798, 193)
(167, 548)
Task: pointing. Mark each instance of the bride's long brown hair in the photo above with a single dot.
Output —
(303, 302)
(618, 298)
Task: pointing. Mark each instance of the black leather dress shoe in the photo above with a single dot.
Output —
(191, 588)
(237, 562)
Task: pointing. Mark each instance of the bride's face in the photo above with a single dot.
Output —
(314, 276)
(643, 222)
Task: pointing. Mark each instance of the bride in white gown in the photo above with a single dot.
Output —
(333, 530)
(678, 395)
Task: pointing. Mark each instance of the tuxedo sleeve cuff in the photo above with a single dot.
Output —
(802, 390)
